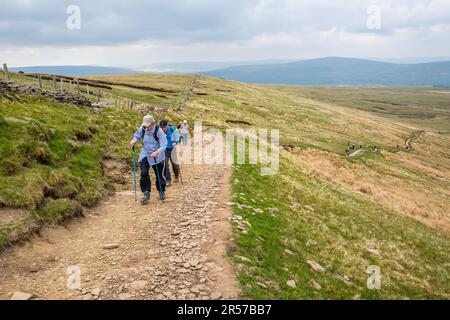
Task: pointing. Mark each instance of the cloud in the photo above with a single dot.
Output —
(221, 29)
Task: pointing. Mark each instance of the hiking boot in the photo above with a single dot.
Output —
(145, 198)
(177, 179)
(168, 183)
(162, 195)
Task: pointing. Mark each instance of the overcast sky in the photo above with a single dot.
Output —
(141, 32)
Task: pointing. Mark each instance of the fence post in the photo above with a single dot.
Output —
(62, 84)
(98, 96)
(40, 81)
(87, 89)
(78, 86)
(54, 83)
(5, 70)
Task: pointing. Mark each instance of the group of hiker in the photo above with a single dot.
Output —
(159, 142)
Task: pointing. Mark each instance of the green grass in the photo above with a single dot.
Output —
(320, 222)
(54, 211)
(51, 154)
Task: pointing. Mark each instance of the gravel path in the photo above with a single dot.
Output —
(175, 250)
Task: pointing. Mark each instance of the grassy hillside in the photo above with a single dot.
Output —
(51, 159)
(387, 207)
(427, 108)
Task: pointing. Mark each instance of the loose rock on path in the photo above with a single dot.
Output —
(175, 250)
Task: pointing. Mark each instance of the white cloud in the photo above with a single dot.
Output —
(143, 32)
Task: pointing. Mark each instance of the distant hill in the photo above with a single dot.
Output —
(73, 70)
(204, 66)
(340, 71)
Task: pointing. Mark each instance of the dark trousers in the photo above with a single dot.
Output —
(172, 158)
(146, 184)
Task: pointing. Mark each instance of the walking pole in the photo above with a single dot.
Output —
(158, 178)
(181, 176)
(179, 168)
(134, 174)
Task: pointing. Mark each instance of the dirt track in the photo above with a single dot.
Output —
(175, 250)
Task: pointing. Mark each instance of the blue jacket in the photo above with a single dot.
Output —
(149, 145)
(172, 136)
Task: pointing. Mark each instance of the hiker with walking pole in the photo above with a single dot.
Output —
(154, 144)
(171, 152)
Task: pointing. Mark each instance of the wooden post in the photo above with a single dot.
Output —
(78, 87)
(40, 81)
(5, 70)
(87, 89)
(70, 86)
(54, 83)
(62, 84)
(98, 96)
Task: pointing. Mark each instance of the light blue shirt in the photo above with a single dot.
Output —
(149, 145)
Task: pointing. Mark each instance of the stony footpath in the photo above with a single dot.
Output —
(175, 250)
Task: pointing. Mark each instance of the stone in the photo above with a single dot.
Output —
(182, 270)
(315, 284)
(21, 296)
(262, 285)
(245, 259)
(216, 295)
(315, 266)
(289, 252)
(125, 296)
(373, 251)
(195, 289)
(96, 292)
(52, 258)
(292, 284)
(138, 285)
(34, 268)
(88, 297)
(111, 246)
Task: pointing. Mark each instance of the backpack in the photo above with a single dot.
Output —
(172, 129)
(155, 134)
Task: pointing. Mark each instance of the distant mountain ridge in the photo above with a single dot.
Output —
(340, 71)
(73, 70)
